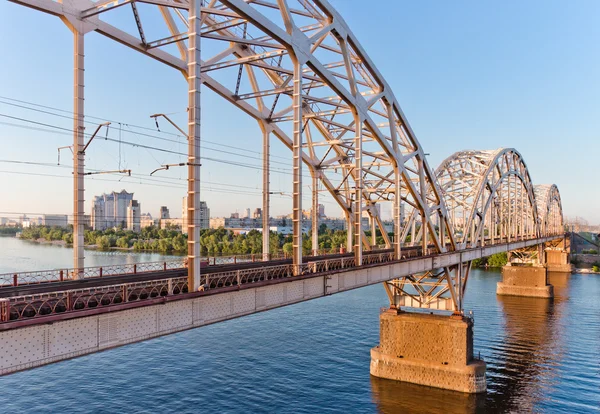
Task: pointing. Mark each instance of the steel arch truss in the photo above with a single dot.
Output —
(296, 68)
(490, 198)
(549, 208)
(489, 195)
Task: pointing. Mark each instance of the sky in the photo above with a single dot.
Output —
(467, 74)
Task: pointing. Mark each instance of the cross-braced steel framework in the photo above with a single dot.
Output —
(490, 198)
(297, 69)
(549, 209)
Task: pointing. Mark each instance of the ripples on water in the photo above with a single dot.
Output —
(313, 357)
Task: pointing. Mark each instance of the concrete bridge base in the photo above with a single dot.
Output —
(431, 350)
(558, 261)
(530, 281)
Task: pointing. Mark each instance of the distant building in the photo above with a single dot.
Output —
(146, 220)
(247, 213)
(55, 220)
(257, 214)
(110, 210)
(204, 218)
(134, 216)
(235, 215)
(172, 223)
(321, 210)
(164, 213)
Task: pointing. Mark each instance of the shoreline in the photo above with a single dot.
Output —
(62, 243)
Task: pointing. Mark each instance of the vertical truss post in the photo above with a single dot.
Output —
(315, 213)
(194, 85)
(78, 155)
(349, 231)
(358, 191)
(266, 196)
(397, 186)
(373, 230)
(424, 217)
(459, 284)
(297, 168)
(398, 215)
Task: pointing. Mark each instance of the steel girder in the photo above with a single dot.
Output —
(295, 67)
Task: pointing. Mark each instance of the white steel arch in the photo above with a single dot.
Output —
(296, 68)
(489, 195)
(549, 209)
(490, 198)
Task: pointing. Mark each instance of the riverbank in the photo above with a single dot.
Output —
(17, 255)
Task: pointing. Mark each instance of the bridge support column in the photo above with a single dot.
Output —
(194, 102)
(78, 155)
(431, 350)
(531, 281)
(558, 261)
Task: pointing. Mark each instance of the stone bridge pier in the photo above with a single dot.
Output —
(428, 349)
(526, 273)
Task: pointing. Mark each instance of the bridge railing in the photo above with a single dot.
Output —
(75, 300)
(60, 275)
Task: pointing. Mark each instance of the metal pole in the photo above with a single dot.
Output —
(266, 196)
(358, 191)
(194, 84)
(297, 169)
(373, 231)
(315, 213)
(78, 155)
(398, 215)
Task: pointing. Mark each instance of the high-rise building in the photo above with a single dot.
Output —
(321, 210)
(134, 216)
(257, 213)
(164, 213)
(204, 215)
(247, 213)
(110, 210)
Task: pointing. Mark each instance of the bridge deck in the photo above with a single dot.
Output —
(46, 302)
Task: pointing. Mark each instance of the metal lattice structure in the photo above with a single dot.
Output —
(489, 195)
(549, 209)
(490, 198)
(296, 68)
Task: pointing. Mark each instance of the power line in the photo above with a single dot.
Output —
(133, 144)
(121, 123)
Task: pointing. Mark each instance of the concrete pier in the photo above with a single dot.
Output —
(530, 281)
(558, 261)
(431, 350)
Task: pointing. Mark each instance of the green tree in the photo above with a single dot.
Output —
(68, 238)
(497, 260)
(123, 242)
(288, 248)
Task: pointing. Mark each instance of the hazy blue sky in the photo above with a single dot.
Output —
(468, 74)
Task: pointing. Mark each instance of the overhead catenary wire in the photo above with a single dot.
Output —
(204, 141)
(149, 147)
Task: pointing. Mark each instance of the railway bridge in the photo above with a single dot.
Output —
(296, 68)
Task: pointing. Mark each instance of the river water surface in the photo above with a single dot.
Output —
(313, 357)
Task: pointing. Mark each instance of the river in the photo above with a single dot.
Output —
(313, 357)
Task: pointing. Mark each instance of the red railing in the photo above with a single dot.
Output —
(75, 300)
(59, 275)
